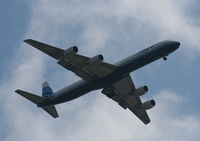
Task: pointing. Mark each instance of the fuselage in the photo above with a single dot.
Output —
(124, 68)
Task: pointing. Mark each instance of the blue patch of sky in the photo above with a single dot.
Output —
(193, 11)
(14, 19)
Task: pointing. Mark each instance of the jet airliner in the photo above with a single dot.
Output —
(114, 79)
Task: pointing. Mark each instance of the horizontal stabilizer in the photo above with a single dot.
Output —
(33, 98)
(39, 100)
(51, 110)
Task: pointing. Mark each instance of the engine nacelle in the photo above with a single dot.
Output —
(96, 59)
(148, 104)
(71, 50)
(140, 91)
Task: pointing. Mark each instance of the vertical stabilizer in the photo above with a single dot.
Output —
(47, 91)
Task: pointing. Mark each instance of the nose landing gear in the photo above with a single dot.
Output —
(164, 58)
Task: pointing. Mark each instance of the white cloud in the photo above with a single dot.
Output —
(110, 25)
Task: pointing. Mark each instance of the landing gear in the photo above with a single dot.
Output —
(165, 58)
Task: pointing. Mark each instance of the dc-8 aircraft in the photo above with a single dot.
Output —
(114, 79)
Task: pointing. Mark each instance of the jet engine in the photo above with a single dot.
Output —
(148, 104)
(71, 50)
(140, 91)
(96, 59)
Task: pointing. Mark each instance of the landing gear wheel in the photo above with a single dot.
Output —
(165, 58)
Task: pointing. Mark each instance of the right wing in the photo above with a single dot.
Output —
(121, 92)
(80, 65)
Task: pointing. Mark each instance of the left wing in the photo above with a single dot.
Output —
(122, 93)
(87, 68)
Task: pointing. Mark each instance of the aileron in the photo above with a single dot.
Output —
(81, 72)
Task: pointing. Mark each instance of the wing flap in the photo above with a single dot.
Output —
(84, 74)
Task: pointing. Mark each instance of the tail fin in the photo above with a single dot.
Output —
(39, 100)
(47, 91)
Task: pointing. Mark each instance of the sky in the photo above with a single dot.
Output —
(116, 29)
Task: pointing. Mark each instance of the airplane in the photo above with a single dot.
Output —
(114, 79)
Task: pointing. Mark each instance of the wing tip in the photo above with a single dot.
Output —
(28, 41)
(147, 122)
(18, 91)
(56, 116)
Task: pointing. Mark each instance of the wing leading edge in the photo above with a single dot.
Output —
(121, 92)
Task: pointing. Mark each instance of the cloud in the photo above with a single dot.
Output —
(109, 122)
(113, 27)
(167, 18)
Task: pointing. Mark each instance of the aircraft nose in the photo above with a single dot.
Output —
(176, 44)
(172, 46)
